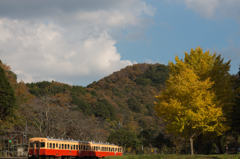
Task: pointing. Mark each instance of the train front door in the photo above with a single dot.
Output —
(36, 149)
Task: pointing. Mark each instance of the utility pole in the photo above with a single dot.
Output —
(142, 139)
(52, 128)
(26, 131)
(8, 148)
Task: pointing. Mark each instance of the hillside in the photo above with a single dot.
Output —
(123, 99)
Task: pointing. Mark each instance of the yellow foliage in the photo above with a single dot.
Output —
(187, 104)
(210, 66)
(198, 94)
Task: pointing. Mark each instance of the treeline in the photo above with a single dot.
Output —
(121, 100)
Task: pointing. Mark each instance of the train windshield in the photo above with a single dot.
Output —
(42, 144)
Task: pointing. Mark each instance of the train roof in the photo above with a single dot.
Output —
(71, 140)
(102, 143)
(61, 139)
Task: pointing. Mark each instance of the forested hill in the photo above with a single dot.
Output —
(132, 89)
(123, 99)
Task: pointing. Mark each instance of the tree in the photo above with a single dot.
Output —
(187, 104)
(160, 140)
(210, 66)
(124, 138)
(7, 97)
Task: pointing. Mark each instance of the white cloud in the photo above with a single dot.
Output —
(153, 62)
(215, 8)
(73, 46)
(204, 7)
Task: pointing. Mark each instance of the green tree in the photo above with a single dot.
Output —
(103, 108)
(7, 97)
(134, 105)
(124, 138)
(160, 140)
(187, 105)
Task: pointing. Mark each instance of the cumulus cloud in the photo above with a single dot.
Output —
(69, 41)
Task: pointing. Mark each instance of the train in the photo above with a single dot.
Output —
(51, 148)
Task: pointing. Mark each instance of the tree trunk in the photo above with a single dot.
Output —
(236, 145)
(191, 145)
(199, 142)
(218, 143)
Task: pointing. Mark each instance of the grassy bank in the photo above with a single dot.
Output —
(170, 156)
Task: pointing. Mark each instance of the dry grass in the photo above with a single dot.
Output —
(170, 156)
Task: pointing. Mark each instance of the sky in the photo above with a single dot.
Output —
(80, 41)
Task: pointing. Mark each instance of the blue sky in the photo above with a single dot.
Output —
(177, 29)
(78, 42)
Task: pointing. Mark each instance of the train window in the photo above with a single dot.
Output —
(50, 145)
(31, 144)
(65, 146)
(42, 144)
(47, 145)
(118, 149)
(53, 145)
(56, 145)
(71, 147)
(68, 147)
(83, 147)
(59, 146)
(76, 147)
(62, 146)
(94, 148)
(37, 145)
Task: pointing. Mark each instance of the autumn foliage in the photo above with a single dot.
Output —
(192, 103)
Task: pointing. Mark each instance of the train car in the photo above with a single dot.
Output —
(50, 148)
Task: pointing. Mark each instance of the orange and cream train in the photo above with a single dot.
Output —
(50, 148)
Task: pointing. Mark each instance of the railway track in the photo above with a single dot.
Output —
(13, 157)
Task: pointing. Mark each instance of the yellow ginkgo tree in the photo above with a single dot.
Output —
(188, 104)
(213, 67)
